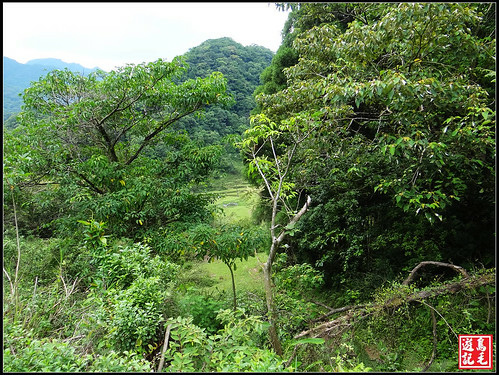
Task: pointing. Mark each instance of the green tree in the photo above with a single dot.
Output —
(272, 148)
(406, 94)
(227, 243)
(93, 143)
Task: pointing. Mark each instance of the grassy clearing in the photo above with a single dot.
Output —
(237, 198)
(214, 277)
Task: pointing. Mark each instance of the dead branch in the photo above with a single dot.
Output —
(165, 346)
(333, 327)
(425, 263)
(334, 311)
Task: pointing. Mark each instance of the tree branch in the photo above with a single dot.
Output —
(90, 183)
(162, 126)
(425, 263)
(165, 346)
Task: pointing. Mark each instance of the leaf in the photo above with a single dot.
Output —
(390, 94)
(310, 340)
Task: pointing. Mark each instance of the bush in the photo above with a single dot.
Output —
(137, 313)
(56, 356)
(203, 310)
(40, 258)
(124, 264)
(234, 348)
(130, 298)
(24, 353)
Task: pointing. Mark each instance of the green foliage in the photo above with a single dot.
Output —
(40, 258)
(355, 85)
(404, 153)
(44, 356)
(236, 347)
(382, 113)
(242, 66)
(203, 309)
(94, 234)
(136, 314)
(401, 338)
(103, 145)
(132, 290)
(23, 353)
(298, 279)
(227, 243)
(295, 286)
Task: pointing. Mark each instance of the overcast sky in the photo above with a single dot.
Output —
(107, 35)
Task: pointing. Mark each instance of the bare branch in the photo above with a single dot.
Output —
(165, 346)
(295, 219)
(425, 263)
(267, 184)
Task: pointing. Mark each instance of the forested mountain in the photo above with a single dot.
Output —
(242, 66)
(17, 77)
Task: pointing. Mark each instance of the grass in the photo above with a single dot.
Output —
(237, 198)
(215, 276)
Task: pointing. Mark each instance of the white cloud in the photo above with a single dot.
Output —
(113, 34)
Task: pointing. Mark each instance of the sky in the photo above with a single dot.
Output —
(107, 35)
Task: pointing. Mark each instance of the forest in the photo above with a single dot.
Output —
(326, 208)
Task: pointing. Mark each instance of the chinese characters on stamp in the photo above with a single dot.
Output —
(475, 352)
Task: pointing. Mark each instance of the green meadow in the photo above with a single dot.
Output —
(236, 197)
(214, 277)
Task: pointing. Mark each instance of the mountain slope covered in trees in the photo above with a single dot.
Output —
(17, 77)
(242, 66)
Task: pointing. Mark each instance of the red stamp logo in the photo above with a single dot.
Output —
(475, 352)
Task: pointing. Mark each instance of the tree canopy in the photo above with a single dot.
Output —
(93, 139)
(405, 155)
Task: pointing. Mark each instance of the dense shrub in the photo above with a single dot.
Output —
(24, 353)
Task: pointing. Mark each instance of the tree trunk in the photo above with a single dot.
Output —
(267, 272)
(233, 286)
(272, 315)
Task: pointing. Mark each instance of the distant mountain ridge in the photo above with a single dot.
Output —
(17, 77)
(59, 64)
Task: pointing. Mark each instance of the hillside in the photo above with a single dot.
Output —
(242, 67)
(17, 77)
